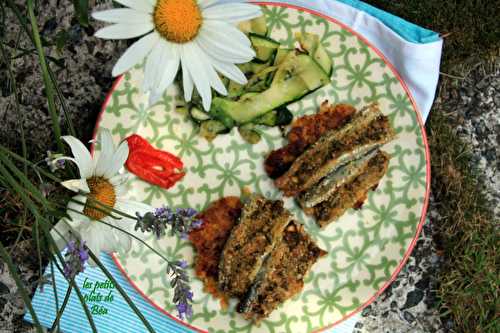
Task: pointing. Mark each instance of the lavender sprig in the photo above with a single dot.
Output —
(181, 221)
(54, 161)
(183, 296)
(76, 256)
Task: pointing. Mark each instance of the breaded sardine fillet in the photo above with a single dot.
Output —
(352, 193)
(368, 129)
(209, 240)
(282, 274)
(260, 228)
(304, 132)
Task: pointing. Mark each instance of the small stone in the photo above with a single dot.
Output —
(366, 311)
(408, 317)
(423, 283)
(49, 26)
(413, 298)
(3, 289)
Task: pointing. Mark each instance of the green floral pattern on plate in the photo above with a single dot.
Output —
(364, 247)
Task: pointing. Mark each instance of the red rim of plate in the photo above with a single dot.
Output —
(427, 187)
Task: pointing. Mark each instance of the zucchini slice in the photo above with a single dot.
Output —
(279, 117)
(313, 46)
(257, 25)
(265, 47)
(297, 76)
(248, 134)
(198, 115)
(209, 129)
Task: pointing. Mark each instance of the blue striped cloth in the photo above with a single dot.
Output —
(119, 317)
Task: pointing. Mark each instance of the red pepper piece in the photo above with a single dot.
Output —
(137, 142)
(153, 165)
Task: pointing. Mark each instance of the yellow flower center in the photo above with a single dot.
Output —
(102, 195)
(177, 20)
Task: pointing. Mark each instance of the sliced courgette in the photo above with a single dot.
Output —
(265, 47)
(312, 44)
(279, 117)
(257, 25)
(281, 55)
(198, 115)
(260, 81)
(209, 129)
(298, 75)
(235, 89)
(248, 134)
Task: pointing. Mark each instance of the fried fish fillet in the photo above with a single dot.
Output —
(282, 274)
(351, 193)
(260, 228)
(368, 129)
(304, 132)
(209, 240)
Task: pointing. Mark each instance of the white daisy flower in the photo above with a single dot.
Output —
(200, 36)
(103, 184)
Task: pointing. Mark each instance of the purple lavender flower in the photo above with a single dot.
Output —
(182, 264)
(76, 257)
(196, 224)
(181, 221)
(183, 296)
(54, 161)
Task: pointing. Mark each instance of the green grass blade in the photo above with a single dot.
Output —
(22, 290)
(33, 190)
(54, 288)
(49, 89)
(61, 309)
(24, 24)
(29, 163)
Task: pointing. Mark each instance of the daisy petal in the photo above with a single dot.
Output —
(131, 207)
(217, 43)
(171, 68)
(153, 62)
(122, 15)
(76, 185)
(119, 180)
(215, 80)
(75, 210)
(219, 48)
(82, 156)
(119, 158)
(97, 238)
(106, 154)
(198, 73)
(124, 31)
(60, 233)
(167, 75)
(140, 5)
(206, 3)
(187, 82)
(226, 32)
(231, 71)
(135, 53)
(232, 12)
